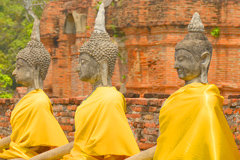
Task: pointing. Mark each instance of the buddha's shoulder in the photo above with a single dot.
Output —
(211, 89)
(212, 97)
(40, 97)
(35, 100)
(210, 92)
(112, 94)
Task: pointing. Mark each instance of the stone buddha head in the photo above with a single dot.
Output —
(98, 56)
(32, 62)
(193, 54)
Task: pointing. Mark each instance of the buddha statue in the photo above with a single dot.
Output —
(34, 128)
(191, 122)
(102, 130)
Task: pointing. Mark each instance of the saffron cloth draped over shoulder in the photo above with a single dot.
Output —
(102, 129)
(0, 149)
(33, 124)
(193, 126)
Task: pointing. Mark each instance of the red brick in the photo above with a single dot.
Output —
(11, 107)
(133, 115)
(2, 101)
(57, 108)
(150, 131)
(8, 113)
(72, 121)
(152, 109)
(70, 133)
(156, 102)
(234, 128)
(228, 111)
(145, 146)
(64, 100)
(150, 125)
(138, 124)
(73, 114)
(226, 102)
(156, 38)
(64, 120)
(72, 107)
(136, 108)
(137, 101)
(67, 127)
(148, 117)
(56, 114)
(141, 123)
(70, 139)
(143, 139)
(238, 137)
(55, 100)
(238, 146)
(237, 111)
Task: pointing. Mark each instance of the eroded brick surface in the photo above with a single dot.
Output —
(150, 29)
(142, 115)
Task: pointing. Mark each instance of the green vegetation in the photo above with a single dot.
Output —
(122, 58)
(14, 34)
(215, 32)
(16, 27)
(98, 5)
(5, 81)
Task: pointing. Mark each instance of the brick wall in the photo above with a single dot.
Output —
(142, 114)
(148, 31)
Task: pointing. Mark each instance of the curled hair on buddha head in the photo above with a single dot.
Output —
(35, 53)
(195, 41)
(100, 46)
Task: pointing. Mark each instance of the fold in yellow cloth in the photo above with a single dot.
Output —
(0, 149)
(33, 124)
(193, 126)
(102, 129)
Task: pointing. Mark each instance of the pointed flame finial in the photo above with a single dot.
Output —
(196, 24)
(35, 32)
(100, 20)
(107, 2)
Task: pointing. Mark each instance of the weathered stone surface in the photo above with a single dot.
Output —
(80, 22)
(70, 24)
(107, 2)
(191, 52)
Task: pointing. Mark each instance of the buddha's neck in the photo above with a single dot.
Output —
(194, 80)
(100, 84)
(96, 84)
(30, 88)
(33, 87)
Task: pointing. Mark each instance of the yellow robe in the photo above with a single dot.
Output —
(193, 126)
(33, 124)
(102, 128)
(1, 150)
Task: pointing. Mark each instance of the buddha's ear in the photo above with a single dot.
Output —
(36, 77)
(104, 72)
(205, 62)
